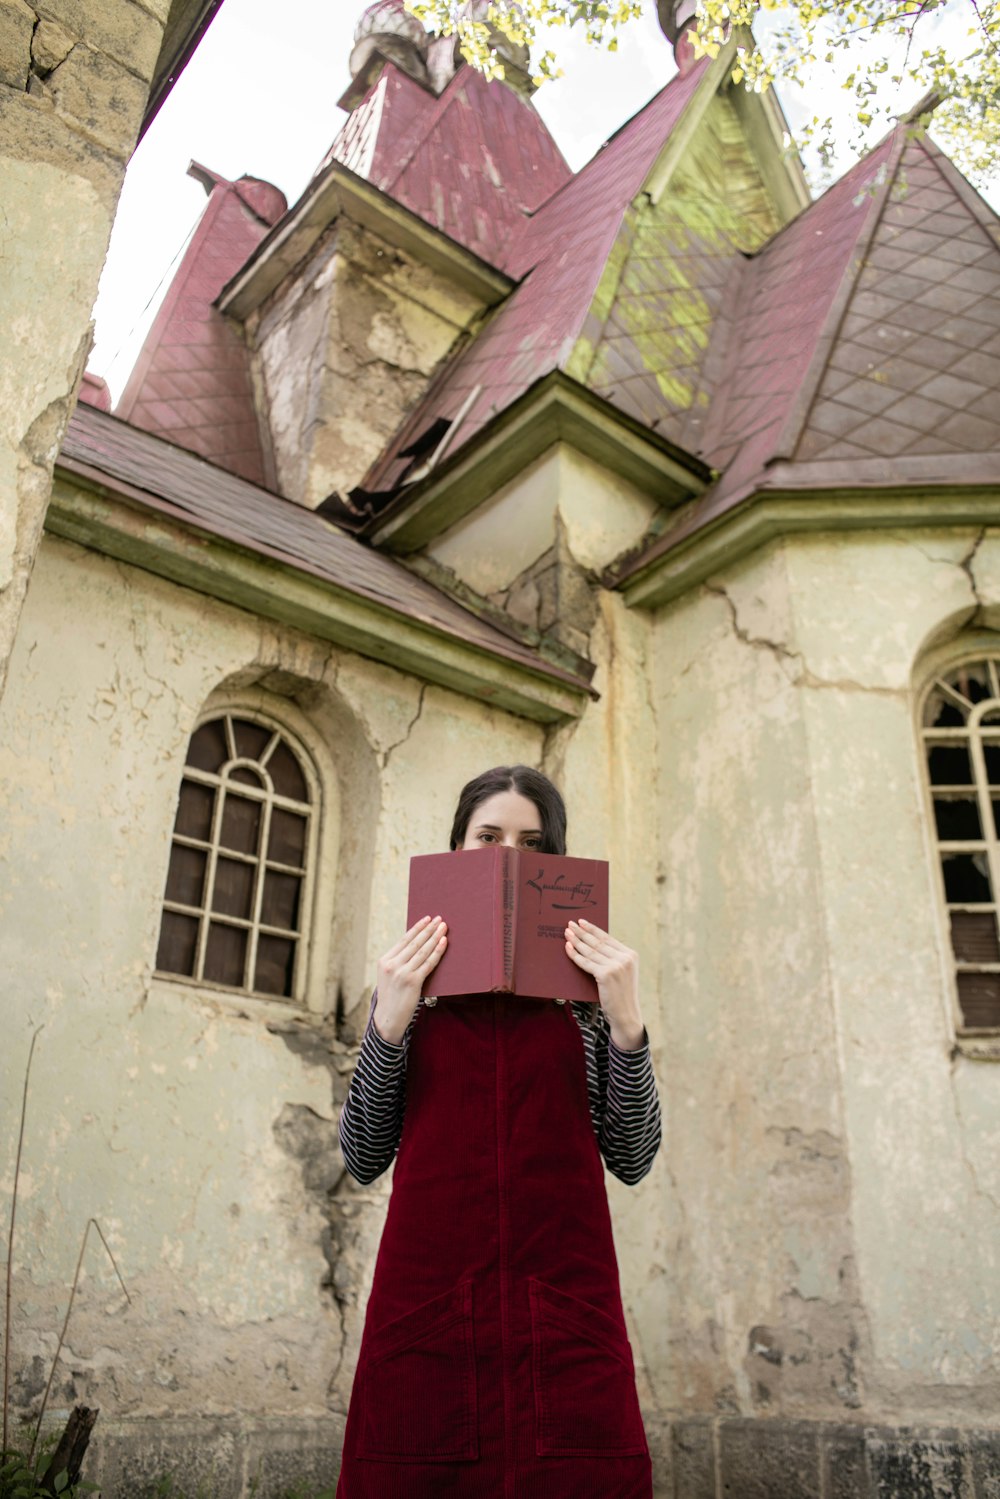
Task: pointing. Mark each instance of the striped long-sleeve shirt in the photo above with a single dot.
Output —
(621, 1089)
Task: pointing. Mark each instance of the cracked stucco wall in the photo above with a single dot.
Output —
(502, 541)
(198, 1129)
(608, 767)
(837, 1233)
(73, 84)
(343, 350)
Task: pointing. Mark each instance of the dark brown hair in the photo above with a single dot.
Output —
(526, 782)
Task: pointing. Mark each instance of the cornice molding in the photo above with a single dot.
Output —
(100, 516)
(770, 514)
(335, 193)
(555, 409)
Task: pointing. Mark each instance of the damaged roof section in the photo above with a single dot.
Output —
(473, 163)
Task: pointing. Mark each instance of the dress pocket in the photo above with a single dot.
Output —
(419, 1385)
(585, 1399)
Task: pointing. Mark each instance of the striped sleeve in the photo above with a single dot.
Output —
(624, 1103)
(371, 1120)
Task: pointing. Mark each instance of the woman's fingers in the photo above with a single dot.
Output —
(426, 946)
(592, 937)
(581, 958)
(408, 938)
(405, 959)
(434, 957)
(422, 943)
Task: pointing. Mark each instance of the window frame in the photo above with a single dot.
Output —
(316, 895)
(977, 1042)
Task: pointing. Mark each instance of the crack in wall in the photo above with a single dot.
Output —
(140, 647)
(964, 564)
(978, 1189)
(967, 563)
(390, 750)
(757, 642)
(804, 676)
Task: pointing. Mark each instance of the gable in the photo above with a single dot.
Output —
(646, 342)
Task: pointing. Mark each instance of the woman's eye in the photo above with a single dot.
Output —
(486, 838)
(532, 842)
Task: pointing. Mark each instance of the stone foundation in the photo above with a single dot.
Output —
(754, 1459)
(231, 1457)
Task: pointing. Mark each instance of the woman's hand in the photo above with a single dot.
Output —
(616, 969)
(401, 973)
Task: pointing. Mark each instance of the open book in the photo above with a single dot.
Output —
(507, 910)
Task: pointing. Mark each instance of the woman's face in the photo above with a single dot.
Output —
(507, 818)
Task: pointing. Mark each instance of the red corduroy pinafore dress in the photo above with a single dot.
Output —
(495, 1362)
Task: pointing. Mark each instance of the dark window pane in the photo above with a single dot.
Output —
(186, 875)
(974, 937)
(208, 749)
(991, 753)
(950, 765)
(275, 966)
(246, 775)
(286, 773)
(178, 941)
(979, 998)
(233, 893)
(972, 681)
(286, 842)
(240, 824)
(942, 713)
(194, 811)
(280, 905)
(251, 739)
(957, 820)
(225, 954)
(966, 881)
(991, 716)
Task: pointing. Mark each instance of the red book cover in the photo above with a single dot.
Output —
(507, 910)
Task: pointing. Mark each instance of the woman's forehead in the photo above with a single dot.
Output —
(507, 807)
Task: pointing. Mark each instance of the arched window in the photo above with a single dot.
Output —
(961, 732)
(237, 886)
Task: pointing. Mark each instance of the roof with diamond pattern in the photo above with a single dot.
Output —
(191, 383)
(867, 352)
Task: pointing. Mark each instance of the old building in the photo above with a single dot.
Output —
(658, 476)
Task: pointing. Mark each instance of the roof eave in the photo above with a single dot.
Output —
(337, 192)
(107, 515)
(780, 166)
(789, 504)
(186, 25)
(555, 409)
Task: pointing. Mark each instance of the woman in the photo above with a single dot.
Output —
(495, 1361)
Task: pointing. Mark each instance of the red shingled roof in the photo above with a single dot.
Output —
(561, 254)
(191, 382)
(472, 162)
(868, 349)
(916, 364)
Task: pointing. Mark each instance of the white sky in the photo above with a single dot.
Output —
(260, 96)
